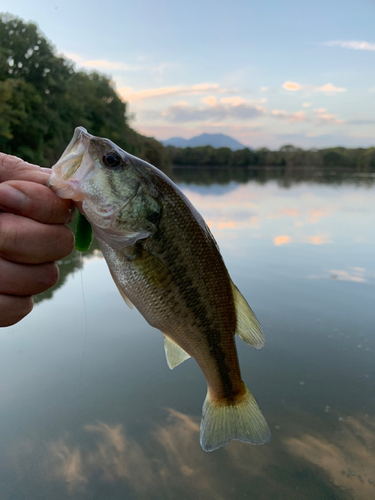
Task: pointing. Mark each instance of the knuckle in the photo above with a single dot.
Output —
(28, 305)
(13, 309)
(4, 159)
(50, 275)
(8, 233)
(68, 240)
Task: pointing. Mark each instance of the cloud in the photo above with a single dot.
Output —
(174, 466)
(318, 239)
(235, 101)
(211, 100)
(110, 65)
(355, 274)
(281, 240)
(347, 458)
(102, 63)
(214, 111)
(328, 87)
(306, 104)
(315, 214)
(169, 463)
(327, 118)
(292, 86)
(353, 44)
(227, 225)
(130, 94)
(298, 116)
(314, 239)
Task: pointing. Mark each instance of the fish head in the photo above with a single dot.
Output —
(106, 185)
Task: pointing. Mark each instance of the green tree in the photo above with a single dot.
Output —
(42, 100)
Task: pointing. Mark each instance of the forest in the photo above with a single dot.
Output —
(43, 98)
(360, 159)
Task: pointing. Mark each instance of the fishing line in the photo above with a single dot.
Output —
(80, 387)
(86, 332)
(83, 240)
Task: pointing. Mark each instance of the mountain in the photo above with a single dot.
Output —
(214, 140)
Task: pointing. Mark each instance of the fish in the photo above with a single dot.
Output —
(165, 261)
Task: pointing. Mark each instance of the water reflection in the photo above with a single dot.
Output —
(347, 457)
(90, 410)
(285, 176)
(228, 206)
(170, 463)
(70, 265)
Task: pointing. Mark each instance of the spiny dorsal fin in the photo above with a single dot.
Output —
(248, 327)
(175, 355)
(126, 299)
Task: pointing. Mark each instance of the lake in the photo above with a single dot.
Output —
(90, 410)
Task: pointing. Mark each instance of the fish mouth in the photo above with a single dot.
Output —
(67, 175)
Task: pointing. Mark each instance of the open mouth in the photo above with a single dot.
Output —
(67, 173)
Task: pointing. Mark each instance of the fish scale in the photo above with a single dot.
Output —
(164, 260)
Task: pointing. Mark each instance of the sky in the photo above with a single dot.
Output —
(266, 73)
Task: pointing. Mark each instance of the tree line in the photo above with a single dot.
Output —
(288, 156)
(42, 100)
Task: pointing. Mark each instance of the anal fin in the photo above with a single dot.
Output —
(248, 327)
(174, 353)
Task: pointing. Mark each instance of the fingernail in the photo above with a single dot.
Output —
(11, 198)
(72, 211)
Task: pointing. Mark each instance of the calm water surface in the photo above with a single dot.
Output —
(90, 410)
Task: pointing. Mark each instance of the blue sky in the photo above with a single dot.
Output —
(267, 73)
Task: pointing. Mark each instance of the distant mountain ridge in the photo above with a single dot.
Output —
(214, 140)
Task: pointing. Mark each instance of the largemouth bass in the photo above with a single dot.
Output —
(164, 260)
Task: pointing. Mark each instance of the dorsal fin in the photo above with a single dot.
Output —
(248, 327)
(174, 353)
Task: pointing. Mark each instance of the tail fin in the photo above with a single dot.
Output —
(223, 423)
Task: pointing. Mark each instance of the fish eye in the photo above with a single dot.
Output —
(112, 160)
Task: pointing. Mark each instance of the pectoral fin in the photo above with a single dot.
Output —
(127, 301)
(175, 355)
(248, 327)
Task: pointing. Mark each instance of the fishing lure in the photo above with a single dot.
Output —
(83, 233)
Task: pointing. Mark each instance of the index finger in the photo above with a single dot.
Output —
(12, 167)
(35, 201)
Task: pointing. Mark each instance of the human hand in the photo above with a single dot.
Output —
(33, 236)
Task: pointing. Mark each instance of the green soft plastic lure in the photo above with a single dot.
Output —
(83, 233)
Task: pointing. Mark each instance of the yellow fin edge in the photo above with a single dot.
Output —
(223, 423)
(248, 327)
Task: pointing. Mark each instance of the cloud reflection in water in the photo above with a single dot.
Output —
(169, 463)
